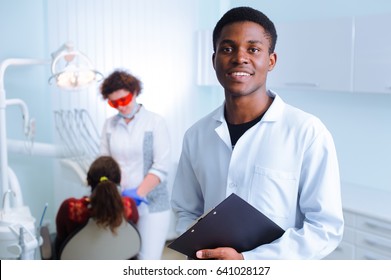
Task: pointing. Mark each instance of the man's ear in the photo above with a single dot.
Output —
(272, 60)
(213, 60)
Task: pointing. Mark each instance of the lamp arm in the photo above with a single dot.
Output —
(66, 47)
(18, 61)
(3, 132)
(25, 112)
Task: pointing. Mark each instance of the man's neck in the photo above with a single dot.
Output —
(244, 109)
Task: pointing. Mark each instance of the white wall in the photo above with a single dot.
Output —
(281, 10)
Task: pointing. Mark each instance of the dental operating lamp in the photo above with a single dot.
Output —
(72, 69)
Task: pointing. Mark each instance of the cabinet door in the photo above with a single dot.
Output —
(314, 54)
(374, 243)
(372, 54)
(365, 254)
(375, 226)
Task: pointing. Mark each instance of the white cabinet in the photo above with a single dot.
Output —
(372, 54)
(367, 232)
(365, 238)
(369, 238)
(315, 54)
(373, 238)
(343, 54)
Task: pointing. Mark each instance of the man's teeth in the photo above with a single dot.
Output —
(240, 74)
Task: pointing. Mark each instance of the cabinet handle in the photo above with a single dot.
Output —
(377, 245)
(367, 257)
(301, 84)
(378, 227)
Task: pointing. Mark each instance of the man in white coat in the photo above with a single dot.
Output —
(276, 157)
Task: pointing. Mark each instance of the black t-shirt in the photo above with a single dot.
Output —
(237, 130)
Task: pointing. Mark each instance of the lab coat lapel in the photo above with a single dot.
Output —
(222, 128)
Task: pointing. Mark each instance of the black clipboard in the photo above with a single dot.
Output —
(233, 223)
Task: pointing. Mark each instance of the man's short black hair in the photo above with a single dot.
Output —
(240, 14)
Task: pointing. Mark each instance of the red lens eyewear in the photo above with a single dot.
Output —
(123, 101)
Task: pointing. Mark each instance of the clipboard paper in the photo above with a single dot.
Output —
(233, 223)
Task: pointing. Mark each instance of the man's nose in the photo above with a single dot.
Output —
(241, 56)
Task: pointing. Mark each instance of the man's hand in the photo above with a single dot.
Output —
(222, 253)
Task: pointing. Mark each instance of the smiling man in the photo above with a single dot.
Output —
(278, 158)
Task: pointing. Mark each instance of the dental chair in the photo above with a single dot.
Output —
(92, 242)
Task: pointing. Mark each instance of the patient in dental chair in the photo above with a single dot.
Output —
(105, 203)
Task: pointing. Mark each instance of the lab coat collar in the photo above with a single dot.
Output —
(274, 112)
(276, 109)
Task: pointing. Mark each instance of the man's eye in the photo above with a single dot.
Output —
(254, 50)
(227, 49)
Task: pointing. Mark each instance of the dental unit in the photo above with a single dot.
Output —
(19, 236)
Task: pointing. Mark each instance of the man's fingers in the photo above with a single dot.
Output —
(221, 253)
(209, 254)
(204, 254)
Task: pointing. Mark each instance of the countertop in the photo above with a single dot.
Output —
(367, 201)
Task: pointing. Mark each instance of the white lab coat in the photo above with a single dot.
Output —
(285, 166)
(126, 142)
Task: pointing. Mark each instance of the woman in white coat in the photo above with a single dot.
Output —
(138, 139)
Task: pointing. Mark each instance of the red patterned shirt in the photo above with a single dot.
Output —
(74, 213)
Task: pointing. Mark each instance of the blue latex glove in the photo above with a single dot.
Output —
(132, 193)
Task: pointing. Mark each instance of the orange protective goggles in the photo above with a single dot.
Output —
(123, 101)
